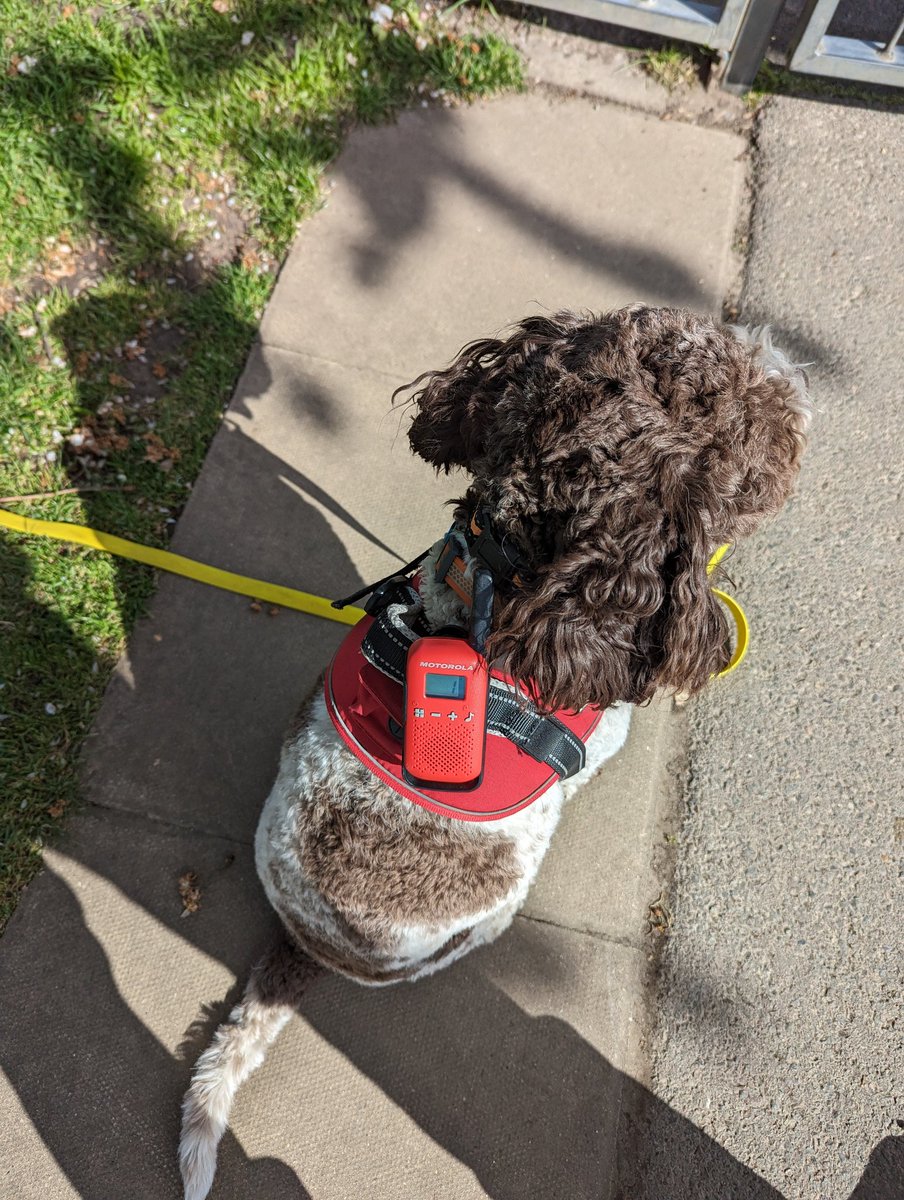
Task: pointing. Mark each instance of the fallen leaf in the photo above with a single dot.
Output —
(57, 809)
(68, 10)
(189, 893)
(79, 118)
(254, 606)
(22, 199)
(159, 370)
(82, 362)
(157, 452)
(119, 381)
(274, 611)
(221, 6)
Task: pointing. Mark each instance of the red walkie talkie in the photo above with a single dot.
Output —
(447, 681)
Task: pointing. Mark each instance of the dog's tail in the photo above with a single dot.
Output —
(276, 985)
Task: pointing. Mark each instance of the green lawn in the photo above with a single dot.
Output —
(155, 159)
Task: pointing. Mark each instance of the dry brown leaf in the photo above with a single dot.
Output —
(189, 893)
(82, 362)
(254, 606)
(156, 451)
(159, 370)
(221, 6)
(68, 10)
(22, 200)
(57, 809)
(119, 381)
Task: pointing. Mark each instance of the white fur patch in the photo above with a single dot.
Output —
(777, 364)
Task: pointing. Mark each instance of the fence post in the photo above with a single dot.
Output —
(750, 44)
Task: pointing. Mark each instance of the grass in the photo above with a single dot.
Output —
(155, 160)
(773, 80)
(671, 66)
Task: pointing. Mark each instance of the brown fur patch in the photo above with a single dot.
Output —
(378, 873)
(366, 970)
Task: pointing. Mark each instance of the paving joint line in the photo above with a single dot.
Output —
(626, 942)
(323, 358)
(563, 91)
(152, 820)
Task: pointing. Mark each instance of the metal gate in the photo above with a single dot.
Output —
(740, 31)
(712, 25)
(819, 53)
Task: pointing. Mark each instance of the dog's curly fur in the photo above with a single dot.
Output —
(616, 453)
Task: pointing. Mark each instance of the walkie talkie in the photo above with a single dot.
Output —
(447, 681)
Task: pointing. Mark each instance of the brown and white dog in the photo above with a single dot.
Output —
(616, 452)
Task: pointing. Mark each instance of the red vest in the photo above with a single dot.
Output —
(360, 700)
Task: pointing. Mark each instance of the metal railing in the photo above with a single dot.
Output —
(819, 53)
(712, 25)
(740, 31)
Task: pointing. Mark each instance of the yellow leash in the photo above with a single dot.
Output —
(166, 560)
(274, 593)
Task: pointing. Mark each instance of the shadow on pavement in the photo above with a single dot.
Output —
(524, 1102)
(429, 165)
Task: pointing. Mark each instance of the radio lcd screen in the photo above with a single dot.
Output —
(445, 687)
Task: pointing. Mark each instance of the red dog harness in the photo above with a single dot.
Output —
(365, 704)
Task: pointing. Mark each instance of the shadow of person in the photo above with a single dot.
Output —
(524, 1101)
(99, 1087)
(883, 1177)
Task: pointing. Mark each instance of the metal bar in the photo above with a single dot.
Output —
(813, 22)
(749, 48)
(682, 19)
(848, 58)
(889, 50)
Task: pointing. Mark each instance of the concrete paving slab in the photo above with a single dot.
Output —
(100, 978)
(453, 222)
(478, 1082)
(504, 1076)
(602, 871)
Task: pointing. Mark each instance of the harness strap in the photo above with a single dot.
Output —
(510, 713)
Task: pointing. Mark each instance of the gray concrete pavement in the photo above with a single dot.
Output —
(779, 1008)
(503, 1077)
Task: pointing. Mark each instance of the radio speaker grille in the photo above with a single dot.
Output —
(440, 751)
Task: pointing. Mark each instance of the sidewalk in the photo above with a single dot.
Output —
(505, 1076)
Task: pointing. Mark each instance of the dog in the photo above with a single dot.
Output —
(614, 453)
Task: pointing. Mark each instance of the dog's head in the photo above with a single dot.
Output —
(617, 452)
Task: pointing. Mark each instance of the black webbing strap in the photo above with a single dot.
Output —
(509, 712)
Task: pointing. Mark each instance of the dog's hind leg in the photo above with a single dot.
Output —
(276, 986)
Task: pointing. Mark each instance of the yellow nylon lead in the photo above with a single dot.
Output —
(274, 593)
(177, 564)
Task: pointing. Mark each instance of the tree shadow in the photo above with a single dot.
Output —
(428, 165)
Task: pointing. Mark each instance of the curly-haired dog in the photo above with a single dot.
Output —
(616, 453)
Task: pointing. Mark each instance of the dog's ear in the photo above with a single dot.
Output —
(455, 413)
(591, 631)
